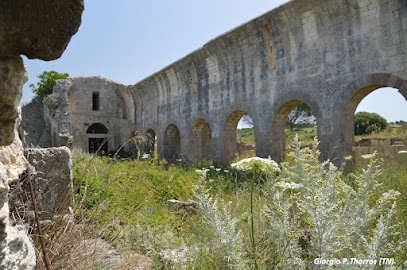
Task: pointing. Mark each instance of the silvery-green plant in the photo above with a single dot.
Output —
(313, 214)
(221, 234)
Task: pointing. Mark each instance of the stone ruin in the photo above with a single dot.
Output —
(38, 29)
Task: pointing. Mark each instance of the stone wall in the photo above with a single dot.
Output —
(36, 126)
(327, 53)
(385, 146)
(77, 114)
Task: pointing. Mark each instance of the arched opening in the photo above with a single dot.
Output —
(151, 140)
(172, 143)
(200, 141)
(98, 139)
(293, 117)
(230, 148)
(245, 140)
(388, 103)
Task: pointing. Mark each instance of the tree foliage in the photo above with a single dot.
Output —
(300, 115)
(366, 123)
(47, 82)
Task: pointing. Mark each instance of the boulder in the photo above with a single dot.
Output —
(38, 28)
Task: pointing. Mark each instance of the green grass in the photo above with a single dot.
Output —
(125, 203)
(306, 135)
(246, 134)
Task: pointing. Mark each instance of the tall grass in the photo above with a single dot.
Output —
(245, 220)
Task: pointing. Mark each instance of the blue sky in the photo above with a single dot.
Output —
(128, 40)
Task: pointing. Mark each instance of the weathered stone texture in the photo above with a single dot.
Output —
(37, 131)
(51, 172)
(387, 147)
(16, 251)
(38, 28)
(12, 77)
(75, 113)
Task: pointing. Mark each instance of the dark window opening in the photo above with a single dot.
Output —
(97, 129)
(95, 101)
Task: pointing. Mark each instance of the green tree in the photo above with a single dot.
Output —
(300, 115)
(47, 82)
(366, 123)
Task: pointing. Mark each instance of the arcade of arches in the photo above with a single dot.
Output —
(263, 68)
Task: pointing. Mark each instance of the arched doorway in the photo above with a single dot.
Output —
(288, 120)
(172, 143)
(229, 137)
(98, 139)
(200, 140)
(377, 81)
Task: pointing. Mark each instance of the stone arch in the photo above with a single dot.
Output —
(98, 138)
(278, 125)
(150, 143)
(229, 146)
(355, 93)
(200, 140)
(172, 143)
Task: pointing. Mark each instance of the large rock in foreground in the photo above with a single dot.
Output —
(38, 28)
(51, 171)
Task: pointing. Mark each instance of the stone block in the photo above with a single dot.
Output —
(51, 171)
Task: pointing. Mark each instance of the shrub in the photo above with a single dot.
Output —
(314, 214)
(366, 123)
(47, 82)
(220, 234)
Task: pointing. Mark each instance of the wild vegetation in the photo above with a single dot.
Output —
(366, 123)
(252, 215)
(47, 82)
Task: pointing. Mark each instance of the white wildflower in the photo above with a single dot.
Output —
(348, 158)
(369, 156)
(212, 167)
(203, 171)
(264, 164)
(145, 156)
(226, 171)
(218, 169)
(402, 152)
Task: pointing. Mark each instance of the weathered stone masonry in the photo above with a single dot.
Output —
(327, 53)
(38, 29)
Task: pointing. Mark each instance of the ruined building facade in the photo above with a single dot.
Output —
(329, 54)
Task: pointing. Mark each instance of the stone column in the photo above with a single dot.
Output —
(263, 145)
